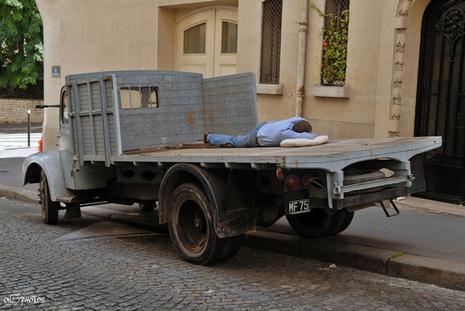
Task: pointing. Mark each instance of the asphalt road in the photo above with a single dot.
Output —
(91, 263)
(11, 173)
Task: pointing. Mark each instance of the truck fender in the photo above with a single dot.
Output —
(50, 163)
(228, 221)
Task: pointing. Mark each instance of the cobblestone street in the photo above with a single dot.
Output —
(142, 271)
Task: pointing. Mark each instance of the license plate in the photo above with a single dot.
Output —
(298, 206)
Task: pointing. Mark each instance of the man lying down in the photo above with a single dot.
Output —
(293, 132)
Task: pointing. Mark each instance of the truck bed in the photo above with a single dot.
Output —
(332, 156)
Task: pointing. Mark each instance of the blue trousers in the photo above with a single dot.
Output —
(238, 141)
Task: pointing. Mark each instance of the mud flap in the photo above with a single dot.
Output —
(416, 167)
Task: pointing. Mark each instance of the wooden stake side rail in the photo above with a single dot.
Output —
(333, 156)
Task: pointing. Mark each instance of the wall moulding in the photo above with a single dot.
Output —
(403, 8)
(331, 91)
(191, 3)
(270, 89)
(397, 81)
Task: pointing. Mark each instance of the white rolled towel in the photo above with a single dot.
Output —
(304, 142)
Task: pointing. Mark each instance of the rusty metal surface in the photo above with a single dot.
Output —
(188, 106)
(194, 145)
(229, 104)
(178, 117)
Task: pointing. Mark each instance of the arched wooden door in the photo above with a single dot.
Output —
(206, 42)
(441, 98)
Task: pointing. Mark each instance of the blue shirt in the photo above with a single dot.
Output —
(274, 132)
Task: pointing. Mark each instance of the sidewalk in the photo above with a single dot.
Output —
(11, 142)
(11, 168)
(424, 243)
(13, 139)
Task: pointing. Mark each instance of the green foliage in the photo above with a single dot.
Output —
(335, 39)
(21, 48)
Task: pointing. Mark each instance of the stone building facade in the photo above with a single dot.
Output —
(388, 43)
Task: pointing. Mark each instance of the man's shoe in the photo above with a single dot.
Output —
(205, 137)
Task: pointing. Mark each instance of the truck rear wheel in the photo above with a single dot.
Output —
(314, 224)
(340, 221)
(192, 229)
(347, 220)
(49, 208)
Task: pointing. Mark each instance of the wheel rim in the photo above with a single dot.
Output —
(192, 227)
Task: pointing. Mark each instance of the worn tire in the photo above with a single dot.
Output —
(337, 220)
(192, 230)
(340, 221)
(347, 220)
(314, 224)
(49, 209)
(229, 248)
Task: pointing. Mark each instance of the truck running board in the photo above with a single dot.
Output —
(385, 209)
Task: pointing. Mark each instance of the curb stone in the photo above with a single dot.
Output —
(15, 193)
(444, 273)
(357, 256)
(281, 243)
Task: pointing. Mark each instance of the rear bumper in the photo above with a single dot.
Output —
(356, 195)
(352, 201)
(357, 200)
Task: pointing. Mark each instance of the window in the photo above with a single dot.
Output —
(64, 105)
(228, 37)
(335, 39)
(271, 41)
(135, 97)
(194, 39)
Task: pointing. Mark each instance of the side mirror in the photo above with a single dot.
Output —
(46, 106)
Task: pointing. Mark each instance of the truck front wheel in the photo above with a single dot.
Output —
(49, 208)
(192, 229)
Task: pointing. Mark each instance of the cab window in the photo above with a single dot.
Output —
(64, 106)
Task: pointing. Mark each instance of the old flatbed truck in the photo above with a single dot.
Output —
(135, 137)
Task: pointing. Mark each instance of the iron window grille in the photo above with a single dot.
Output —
(271, 41)
(336, 7)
